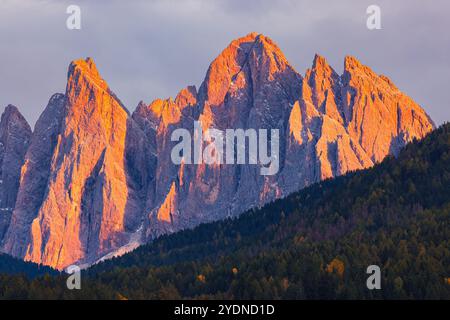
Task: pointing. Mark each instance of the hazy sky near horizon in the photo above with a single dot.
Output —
(152, 49)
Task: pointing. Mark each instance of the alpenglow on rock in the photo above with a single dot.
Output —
(84, 178)
(98, 181)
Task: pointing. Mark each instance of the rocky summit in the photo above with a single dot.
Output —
(93, 181)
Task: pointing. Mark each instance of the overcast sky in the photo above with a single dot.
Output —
(150, 49)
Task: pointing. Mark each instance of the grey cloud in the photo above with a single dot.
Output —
(150, 49)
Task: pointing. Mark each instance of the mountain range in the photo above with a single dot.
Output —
(93, 180)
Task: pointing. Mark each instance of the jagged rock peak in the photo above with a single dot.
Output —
(55, 98)
(187, 96)
(251, 37)
(321, 67)
(87, 67)
(83, 75)
(353, 65)
(166, 111)
(237, 52)
(13, 123)
(141, 108)
(255, 55)
(10, 109)
(12, 113)
(350, 62)
(257, 39)
(319, 62)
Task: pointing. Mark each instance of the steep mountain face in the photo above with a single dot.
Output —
(34, 176)
(98, 181)
(329, 124)
(83, 178)
(15, 134)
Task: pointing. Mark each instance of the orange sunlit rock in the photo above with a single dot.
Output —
(98, 181)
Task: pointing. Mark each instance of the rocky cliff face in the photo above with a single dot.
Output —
(329, 124)
(85, 176)
(34, 176)
(15, 134)
(98, 181)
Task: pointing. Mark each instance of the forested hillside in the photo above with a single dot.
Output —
(316, 243)
(10, 265)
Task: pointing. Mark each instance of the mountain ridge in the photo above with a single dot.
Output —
(106, 180)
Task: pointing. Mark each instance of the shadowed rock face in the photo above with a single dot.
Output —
(97, 181)
(15, 135)
(34, 176)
